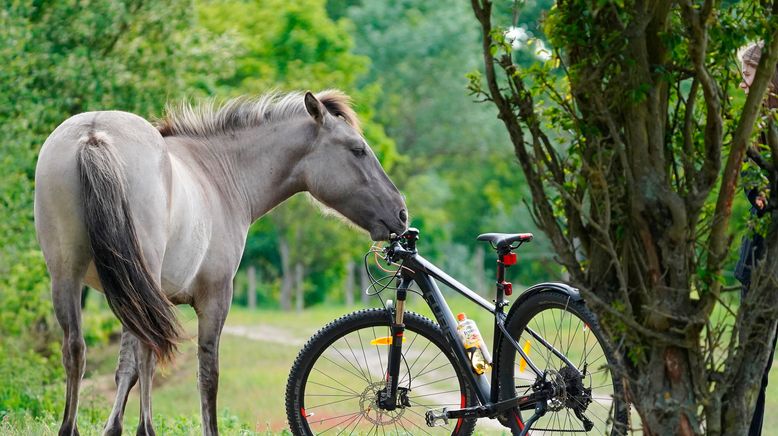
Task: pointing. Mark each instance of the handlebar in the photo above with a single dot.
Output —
(402, 245)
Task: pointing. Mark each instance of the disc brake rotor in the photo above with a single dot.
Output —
(368, 402)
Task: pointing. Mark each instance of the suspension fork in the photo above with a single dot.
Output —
(388, 397)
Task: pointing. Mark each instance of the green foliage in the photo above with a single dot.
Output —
(457, 180)
(429, 115)
(404, 64)
(27, 381)
(630, 139)
(297, 46)
(91, 421)
(61, 58)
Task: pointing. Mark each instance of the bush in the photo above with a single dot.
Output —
(32, 383)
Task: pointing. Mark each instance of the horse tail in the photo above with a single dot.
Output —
(132, 292)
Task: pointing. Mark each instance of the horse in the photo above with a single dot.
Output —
(155, 215)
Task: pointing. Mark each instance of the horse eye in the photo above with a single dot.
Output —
(359, 152)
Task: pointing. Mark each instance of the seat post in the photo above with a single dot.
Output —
(505, 258)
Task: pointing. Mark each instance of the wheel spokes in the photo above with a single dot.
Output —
(571, 336)
(341, 394)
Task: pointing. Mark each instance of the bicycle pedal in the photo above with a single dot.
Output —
(436, 418)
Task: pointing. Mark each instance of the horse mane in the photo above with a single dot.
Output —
(209, 119)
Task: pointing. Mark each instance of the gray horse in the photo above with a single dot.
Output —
(157, 216)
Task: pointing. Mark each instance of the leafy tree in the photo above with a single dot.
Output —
(636, 191)
(295, 45)
(455, 179)
(61, 58)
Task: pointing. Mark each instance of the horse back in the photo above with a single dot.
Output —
(59, 214)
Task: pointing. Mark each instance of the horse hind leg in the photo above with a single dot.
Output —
(66, 295)
(126, 377)
(146, 365)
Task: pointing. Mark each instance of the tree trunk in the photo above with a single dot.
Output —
(756, 327)
(299, 283)
(349, 288)
(633, 185)
(287, 278)
(252, 288)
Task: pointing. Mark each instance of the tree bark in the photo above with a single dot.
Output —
(645, 193)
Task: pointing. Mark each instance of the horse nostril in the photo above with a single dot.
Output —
(403, 215)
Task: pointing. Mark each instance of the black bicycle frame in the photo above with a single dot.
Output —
(418, 269)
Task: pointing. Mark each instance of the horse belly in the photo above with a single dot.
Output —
(188, 239)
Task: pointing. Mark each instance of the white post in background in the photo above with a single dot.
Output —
(480, 271)
(363, 283)
(252, 288)
(349, 290)
(298, 278)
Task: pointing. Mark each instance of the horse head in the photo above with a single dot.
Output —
(343, 173)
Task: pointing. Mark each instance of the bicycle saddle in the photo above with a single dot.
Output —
(502, 240)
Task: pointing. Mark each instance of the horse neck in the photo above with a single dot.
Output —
(264, 163)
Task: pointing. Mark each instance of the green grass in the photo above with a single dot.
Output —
(253, 375)
(252, 372)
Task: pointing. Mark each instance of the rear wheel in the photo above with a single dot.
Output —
(588, 393)
(337, 377)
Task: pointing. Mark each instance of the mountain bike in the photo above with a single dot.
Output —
(391, 371)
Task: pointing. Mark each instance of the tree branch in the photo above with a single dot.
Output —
(716, 240)
(561, 244)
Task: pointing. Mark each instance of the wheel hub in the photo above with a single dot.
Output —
(577, 397)
(558, 401)
(369, 405)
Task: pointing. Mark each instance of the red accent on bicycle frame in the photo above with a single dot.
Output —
(507, 287)
(305, 417)
(509, 259)
(463, 404)
(518, 420)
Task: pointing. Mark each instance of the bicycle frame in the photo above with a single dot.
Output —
(417, 269)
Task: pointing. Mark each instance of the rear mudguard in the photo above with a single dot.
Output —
(574, 294)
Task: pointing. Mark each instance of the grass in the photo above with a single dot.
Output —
(253, 373)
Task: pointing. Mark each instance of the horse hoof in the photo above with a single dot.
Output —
(67, 430)
(145, 430)
(113, 431)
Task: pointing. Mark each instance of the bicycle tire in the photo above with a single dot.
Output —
(577, 334)
(302, 391)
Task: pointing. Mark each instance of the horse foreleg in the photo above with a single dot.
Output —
(210, 323)
(126, 377)
(146, 366)
(66, 296)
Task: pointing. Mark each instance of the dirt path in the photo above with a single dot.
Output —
(264, 333)
(269, 333)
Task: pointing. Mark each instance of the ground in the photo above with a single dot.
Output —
(257, 351)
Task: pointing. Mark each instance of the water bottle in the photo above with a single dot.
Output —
(474, 344)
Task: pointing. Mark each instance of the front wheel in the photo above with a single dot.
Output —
(337, 377)
(589, 396)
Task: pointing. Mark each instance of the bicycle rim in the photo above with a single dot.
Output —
(342, 385)
(570, 331)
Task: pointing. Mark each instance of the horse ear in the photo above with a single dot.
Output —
(314, 107)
